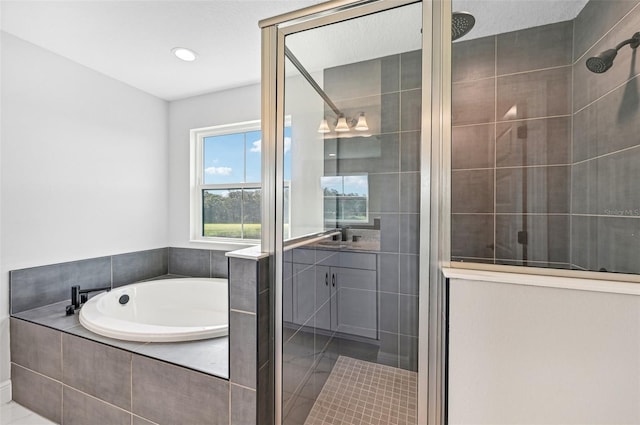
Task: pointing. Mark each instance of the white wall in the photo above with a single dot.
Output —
(526, 354)
(226, 107)
(84, 166)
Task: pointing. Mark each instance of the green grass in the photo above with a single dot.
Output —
(232, 230)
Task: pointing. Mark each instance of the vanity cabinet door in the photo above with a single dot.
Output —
(303, 296)
(324, 294)
(356, 299)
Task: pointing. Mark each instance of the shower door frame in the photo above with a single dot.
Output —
(435, 196)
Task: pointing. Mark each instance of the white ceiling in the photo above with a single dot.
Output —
(131, 40)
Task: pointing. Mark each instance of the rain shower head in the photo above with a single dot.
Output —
(604, 60)
(461, 24)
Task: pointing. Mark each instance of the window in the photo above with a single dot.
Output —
(226, 184)
(227, 172)
(346, 199)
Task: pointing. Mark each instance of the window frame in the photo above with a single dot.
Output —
(198, 186)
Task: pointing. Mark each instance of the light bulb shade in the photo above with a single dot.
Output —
(342, 125)
(362, 125)
(324, 127)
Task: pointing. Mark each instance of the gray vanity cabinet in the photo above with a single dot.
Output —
(339, 293)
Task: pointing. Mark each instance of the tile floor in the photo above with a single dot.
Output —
(13, 414)
(363, 393)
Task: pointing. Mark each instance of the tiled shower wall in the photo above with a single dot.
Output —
(390, 87)
(605, 199)
(546, 154)
(511, 147)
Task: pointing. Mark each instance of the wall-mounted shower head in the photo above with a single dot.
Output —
(604, 60)
(461, 24)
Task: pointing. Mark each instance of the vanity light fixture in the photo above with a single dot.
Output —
(361, 125)
(341, 125)
(324, 126)
(184, 54)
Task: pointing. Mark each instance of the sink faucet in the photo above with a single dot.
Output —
(343, 231)
(80, 296)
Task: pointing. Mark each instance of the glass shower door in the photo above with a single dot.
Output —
(350, 218)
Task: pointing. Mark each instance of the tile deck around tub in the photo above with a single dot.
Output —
(210, 356)
(364, 393)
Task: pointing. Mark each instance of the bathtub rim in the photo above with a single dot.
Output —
(126, 330)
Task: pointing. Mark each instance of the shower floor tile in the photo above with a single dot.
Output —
(363, 393)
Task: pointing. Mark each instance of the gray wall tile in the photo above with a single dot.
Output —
(388, 307)
(411, 70)
(384, 193)
(141, 265)
(137, 420)
(410, 231)
(595, 19)
(545, 141)
(354, 80)
(37, 393)
(110, 382)
(243, 405)
(473, 102)
(219, 266)
(36, 347)
(410, 151)
(534, 94)
(264, 334)
(168, 394)
(533, 190)
(472, 191)
(243, 348)
(410, 192)
(40, 286)
(375, 154)
(408, 309)
(548, 238)
(411, 110)
(80, 409)
(473, 146)
(388, 353)
(609, 125)
(390, 113)
(390, 73)
(606, 242)
(539, 47)
(189, 262)
(408, 353)
(389, 232)
(388, 272)
(473, 59)
(608, 185)
(243, 284)
(589, 86)
(409, 274)
(472, 235)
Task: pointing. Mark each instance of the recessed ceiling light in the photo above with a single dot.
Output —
(185, 54)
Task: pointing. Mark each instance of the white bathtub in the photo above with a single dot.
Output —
(160, 311)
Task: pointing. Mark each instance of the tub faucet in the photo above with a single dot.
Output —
(80, 296)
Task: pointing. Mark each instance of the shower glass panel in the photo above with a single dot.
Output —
(352, 94)
(545, 147)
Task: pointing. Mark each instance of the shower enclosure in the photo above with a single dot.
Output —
(349, 208)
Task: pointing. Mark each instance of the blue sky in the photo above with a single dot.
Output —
(224, 158)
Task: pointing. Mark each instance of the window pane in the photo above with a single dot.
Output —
(223, 159)
(254, 151)
(222, 213)
(251, 212)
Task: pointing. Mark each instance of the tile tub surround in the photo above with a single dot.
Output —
(69, 378)
(40, 286)
(73, 380)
